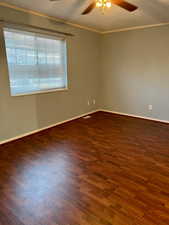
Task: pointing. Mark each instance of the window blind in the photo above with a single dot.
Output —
(36, 62)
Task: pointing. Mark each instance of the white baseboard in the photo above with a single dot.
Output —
(44, 128)
(77, 117)
(136, 116)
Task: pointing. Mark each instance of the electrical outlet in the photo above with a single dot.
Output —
(88, 102)
(150, 107)
(94, 101)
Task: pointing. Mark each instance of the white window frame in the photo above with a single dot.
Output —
(54, 37)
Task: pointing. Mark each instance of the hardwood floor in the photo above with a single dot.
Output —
(108, 169)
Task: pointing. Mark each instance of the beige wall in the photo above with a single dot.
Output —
(123, 71)
(19, 115)
(135, 72)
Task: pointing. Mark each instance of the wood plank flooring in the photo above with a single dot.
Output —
(106, 170)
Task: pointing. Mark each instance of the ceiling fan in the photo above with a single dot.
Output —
(103, 4)
(108, 3)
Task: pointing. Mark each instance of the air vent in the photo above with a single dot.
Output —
(86, 117)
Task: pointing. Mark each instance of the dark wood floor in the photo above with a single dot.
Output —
(108, 169)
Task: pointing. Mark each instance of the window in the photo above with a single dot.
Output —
(36, 63)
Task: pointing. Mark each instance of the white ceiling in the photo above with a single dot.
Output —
(149, 12)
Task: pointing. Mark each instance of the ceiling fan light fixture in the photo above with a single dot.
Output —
(108, 4)
(98, 4)
(103, 3)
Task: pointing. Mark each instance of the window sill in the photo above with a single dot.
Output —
(40, 92)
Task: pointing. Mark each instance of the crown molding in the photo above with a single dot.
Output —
(135, 28)
(35, 13)
(32, 12)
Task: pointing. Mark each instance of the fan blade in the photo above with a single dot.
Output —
(125, 5)
(89, 8)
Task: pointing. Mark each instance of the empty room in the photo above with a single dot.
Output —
(84, 112)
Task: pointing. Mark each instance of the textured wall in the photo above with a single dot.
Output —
(123, 71)
(135, 72)
(19, 115)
